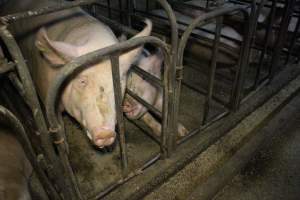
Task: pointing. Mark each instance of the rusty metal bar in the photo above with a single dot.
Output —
(31, 96)
(120, 118)
(9, 119)
(42, 11)
(213, 66)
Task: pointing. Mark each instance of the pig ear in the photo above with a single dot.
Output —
(56, 52)
(131, 56)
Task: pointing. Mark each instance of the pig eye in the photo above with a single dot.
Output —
(82, 81)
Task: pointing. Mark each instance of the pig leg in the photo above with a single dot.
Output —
(155, 126)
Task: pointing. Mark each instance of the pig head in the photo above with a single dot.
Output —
(89, 96)
(147, 91)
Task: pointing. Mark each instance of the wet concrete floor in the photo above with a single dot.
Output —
(273, 174)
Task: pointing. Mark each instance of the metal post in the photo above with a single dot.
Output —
(120, 118)
(213, 66)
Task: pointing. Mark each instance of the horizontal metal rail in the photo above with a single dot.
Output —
(46, 10)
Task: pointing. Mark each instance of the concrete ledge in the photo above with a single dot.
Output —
(247, 127)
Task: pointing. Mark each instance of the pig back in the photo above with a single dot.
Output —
(15, 169)
(58, 25)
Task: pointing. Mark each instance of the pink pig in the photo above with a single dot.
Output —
(50, 41)
(148, 92)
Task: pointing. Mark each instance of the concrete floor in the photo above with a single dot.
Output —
(273, 174)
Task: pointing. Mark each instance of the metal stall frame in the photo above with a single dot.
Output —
(9, 120)
(242, 62)
(67, 181)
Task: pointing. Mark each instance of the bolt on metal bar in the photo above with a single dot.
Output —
(120, 117)
(212, 72)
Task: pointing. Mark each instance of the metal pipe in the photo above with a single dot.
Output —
(31, 96)
(9, 119)
(120, 118)
(213, 66)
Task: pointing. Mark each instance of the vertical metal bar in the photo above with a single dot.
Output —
(109, 9)
(240, 76)
(130, 8)
(213, 65)
(165, 109)
(121, 11)
(266, 44)
(120, 118)
(293, 40)
(35, 107)
(281, 38)
(147, 6)
(172, 81)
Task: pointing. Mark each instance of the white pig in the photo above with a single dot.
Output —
(48, 42)
(151, 63)
(15, 169)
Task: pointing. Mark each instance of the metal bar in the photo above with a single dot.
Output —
(195, 131)
(144, 103)
(109, 8)
(46, 10)
(147, 76)
(266, 44)
(202, 91)
(120, 118)
(281, 38)
(293, 40)
(212, 72)
(8, 119)
(31, 96)
(6, 67)
(129, 177)
(240, 76)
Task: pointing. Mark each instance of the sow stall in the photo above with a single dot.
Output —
(196, 92)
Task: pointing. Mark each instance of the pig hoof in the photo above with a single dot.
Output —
(182, 131)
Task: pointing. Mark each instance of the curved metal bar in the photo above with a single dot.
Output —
(34, 105)
(45, 10)
(9, 119)
(79, 64)
(203, 19)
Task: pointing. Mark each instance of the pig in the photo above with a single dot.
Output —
(15, 169)
(50, 41)
(151, 63)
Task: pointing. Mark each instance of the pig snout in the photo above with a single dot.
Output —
(103, 137)
(132, 109)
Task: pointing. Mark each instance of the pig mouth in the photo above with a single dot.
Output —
(88, 133)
